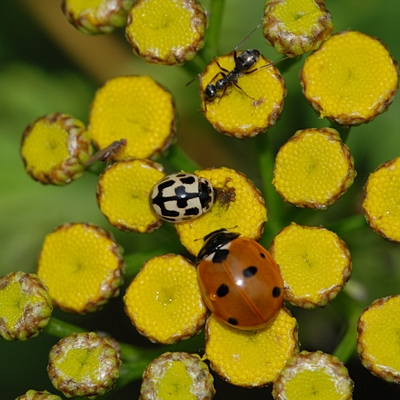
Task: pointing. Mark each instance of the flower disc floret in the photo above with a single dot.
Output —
(378, 338)
(295, 27)
(83, 364)
(381, 200)
(25, 306)
(313, 168)
(350, 79)
(164, 300)
(251, 358)
(123, 194)
(54, 149)
(247, 111)
(315, 264)
(239, 205)
(135, 108)
(82, 266)
(313, 375)
(166, 31)
(96, 16)
(177, 376)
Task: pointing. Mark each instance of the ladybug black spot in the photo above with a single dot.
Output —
(192, 211)
(223, 290)
(187, 180)
(232, 321)
(276, 291)
(220, 255)
(249, 272)
(262, 255)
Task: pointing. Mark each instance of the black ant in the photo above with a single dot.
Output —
(243, 62)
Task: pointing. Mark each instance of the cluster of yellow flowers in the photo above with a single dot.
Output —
(132, 123)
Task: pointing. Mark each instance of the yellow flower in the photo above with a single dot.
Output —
(314, 168)
(249, 107)
(239, 206)
(82, 266)
(166, 31)
(350, 79)
(123, 194)
(315, 264)
(378, 338)
(137, 109)
(164, 300)
(295, 27)
(84, 365)
(25, 306)
(54, 149)
(177, 376)
(96, 16)
(381, 200)
(38, 395)
(251, 358)
(313, 375)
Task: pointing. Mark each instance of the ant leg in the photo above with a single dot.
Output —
(221, 68)
(264, 66)
(237, 86)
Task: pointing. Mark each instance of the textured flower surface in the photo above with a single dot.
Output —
(313, 208)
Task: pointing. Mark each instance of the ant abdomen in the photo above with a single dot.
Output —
(245, 60)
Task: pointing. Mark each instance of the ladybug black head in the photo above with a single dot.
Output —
(214, 240)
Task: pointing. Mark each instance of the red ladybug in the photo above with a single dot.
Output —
(240, 281)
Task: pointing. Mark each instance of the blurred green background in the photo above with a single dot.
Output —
(47, 66)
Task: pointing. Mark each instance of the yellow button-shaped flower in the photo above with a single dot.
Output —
(84, 365)
(54, 149)
(96, 16)
(248, 107)
(164, 300)
(314, 168)
(25, 306)
(238, 205)
(251, 358)
(295, 27)
(82, 267)
(123, 194)
(177, 376)
(378, 338)
(166, 31)
(315, 264)
(137, 109)
(350, 79)
(381, 202)
(313, 376)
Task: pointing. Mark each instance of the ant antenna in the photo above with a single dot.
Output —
(248, 36)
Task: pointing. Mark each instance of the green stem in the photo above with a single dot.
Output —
(350, 224)
(344, 131)
(352, 309)
(272, 199)
(179, 160)
(60, 329)
(213, 32)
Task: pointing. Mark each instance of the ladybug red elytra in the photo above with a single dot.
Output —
(240, 281)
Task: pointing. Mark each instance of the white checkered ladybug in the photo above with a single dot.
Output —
(181, 197)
